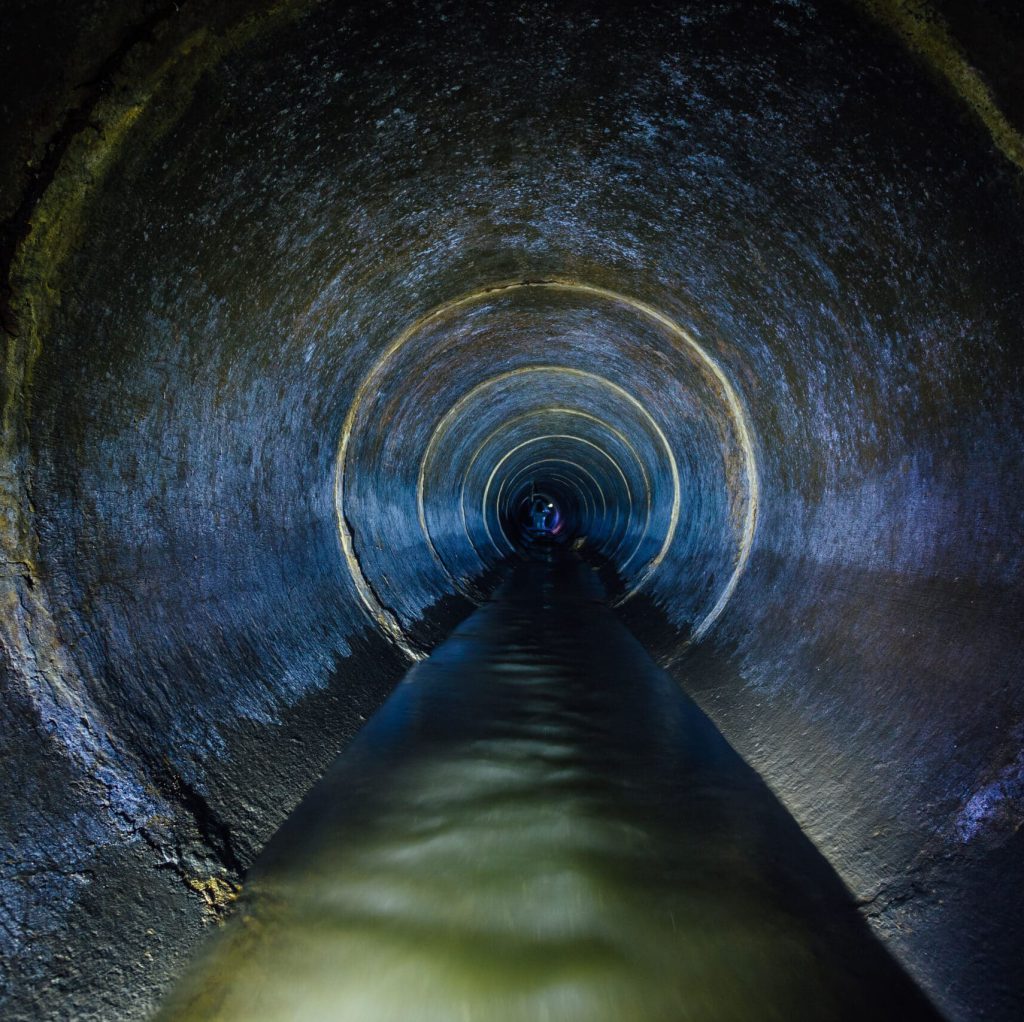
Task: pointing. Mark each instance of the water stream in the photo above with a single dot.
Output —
(540, 825)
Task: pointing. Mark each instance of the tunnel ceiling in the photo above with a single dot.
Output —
(304, 301)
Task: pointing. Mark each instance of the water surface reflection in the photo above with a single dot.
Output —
(538, 825)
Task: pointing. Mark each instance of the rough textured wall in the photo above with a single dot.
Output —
(769, 252)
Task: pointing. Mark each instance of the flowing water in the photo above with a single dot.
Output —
(539, 825)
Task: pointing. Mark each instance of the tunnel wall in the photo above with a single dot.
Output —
(259, 206)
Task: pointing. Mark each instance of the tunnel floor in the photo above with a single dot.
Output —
(539, 824)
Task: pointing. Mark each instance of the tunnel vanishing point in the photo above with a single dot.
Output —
(334, 330)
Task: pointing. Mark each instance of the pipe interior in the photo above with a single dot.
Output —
(325, 295)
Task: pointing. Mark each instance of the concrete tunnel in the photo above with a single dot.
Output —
(303, 301)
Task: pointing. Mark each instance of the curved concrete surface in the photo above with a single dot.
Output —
(292, 290)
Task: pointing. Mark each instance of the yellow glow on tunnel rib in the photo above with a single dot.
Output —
(551, 459)
(508, 482)
(572, 439)
(924, 30)
(743, 437)
(456, 409)
(384, 618)
(555, 410)
(589, 510)
(566, 463)
(587, 505)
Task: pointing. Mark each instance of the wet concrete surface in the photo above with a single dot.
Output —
(539, 824)
(225, 214)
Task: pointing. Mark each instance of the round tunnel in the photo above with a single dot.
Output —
(312, 301)
(439, 416)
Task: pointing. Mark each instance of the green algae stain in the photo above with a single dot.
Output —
(925, 33)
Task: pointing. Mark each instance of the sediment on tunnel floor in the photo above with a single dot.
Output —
(286, 281)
